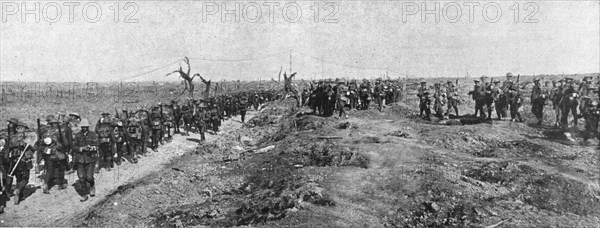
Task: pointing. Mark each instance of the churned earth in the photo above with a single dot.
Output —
(375, 169)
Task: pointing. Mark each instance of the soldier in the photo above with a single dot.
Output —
(440, 100)
(515, 102)
(421, 95)
(52, 149)
(242, 108)
(477, 95)
(453, 99)
(120, 137)
(584, 89)
(488, 99)
(85, 148)
(157, 126)
(569, 103)
(538, 99)
(555, 97)
(426, 105)
(186, 115)
(497, 94)
(4, 196)
(591, 115)
(366, 94)
(18, 156)
(503, 99)
(341, 99)
(353, 91)
(176, 116)
(74, 120)
(134, 136)
(201, 117)
(103, 130)
(379, 94)
(215, 119)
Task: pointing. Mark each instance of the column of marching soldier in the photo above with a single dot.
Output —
(65, 143)
(325, 97)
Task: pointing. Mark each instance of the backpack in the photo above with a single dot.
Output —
(104, 133)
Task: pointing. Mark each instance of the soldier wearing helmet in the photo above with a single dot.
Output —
(104, 130)
(503, 99)
(592, 116)
(17, 157)
(478, 94)
(538, 100)
(487, 98)
(496, 96)
(453, 98)
(85, 148)
(51, 147)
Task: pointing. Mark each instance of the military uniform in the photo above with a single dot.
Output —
(85, 148)
(498, 99)
(515, 102)
(17, 156)
(538, 100)
(569, 103)
(487, 97)
(380, 95)
(121, 138)
(425, 105)
(341, 99)
(440, 100)
(134, 135)
(176, 116)
(104, 130)
(421, 95)
(52, 147)
(202, 122)
(453, 98)
(478, 95)
(584, 91)
(555, 97)
(156, 126)
(503, 101)
(242, 108)
(592, 116)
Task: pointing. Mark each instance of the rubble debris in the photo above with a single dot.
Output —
(398, 133)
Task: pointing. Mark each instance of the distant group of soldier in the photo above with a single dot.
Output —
(566, 97)
(325, 97)
(65, 143)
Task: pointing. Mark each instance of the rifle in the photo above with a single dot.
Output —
(36, 166)
(7, 150)
(6, 155)
(18, 160)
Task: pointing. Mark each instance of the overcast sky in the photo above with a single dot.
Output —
(366, 35)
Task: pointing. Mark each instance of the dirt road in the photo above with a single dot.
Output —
(60, 206)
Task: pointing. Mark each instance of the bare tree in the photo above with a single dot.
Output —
(187, 80)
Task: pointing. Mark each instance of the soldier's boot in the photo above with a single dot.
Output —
(63, 185)
(17, 197)
(93, 191)
(45, 188)
(84, 198)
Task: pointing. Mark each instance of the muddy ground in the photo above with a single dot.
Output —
(375, 169)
